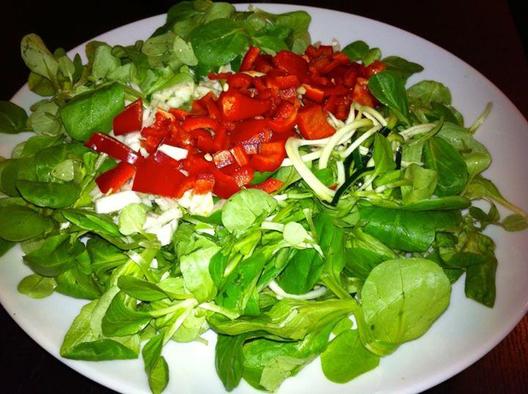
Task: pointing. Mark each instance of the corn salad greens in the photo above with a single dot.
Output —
(352, 254)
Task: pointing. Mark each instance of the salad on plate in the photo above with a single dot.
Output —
(226, 173)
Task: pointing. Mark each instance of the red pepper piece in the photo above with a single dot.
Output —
(179, 114)
(313, 93)
(239, 155)
(270, 156)
(292, 64)
(270, 185)
(112, 147)
(225, 186)
(284, 81)
(130, 120)
(223, 158)
(242, 175)
(204, 183)
(237, 106)
(350, 77)
(263, 63)
(200, 122)
(251, 133)
(362, 95)
(375, 67)
(284, 117)
(196, 164)
(249, 59)
(160, 177)
(313, 124)
(202, 140)
(114, 179)
(338, 90)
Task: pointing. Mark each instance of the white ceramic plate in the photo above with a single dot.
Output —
(461, 336)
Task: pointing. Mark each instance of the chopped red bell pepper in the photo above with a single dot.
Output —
(237, 106)
(160, 177)
(313, 124)
(375, 67)
(313, 93)
(112, 147)
(204, 183)
(362, 95)
(130, 120)
(223, 158)
(239, 155)
(284, 117)
(179, 114)
(270, 185)
(242, 175)
(249, 59)
(196, 164)
(284, 81)
(251, 133)
(225, 186)
(200, 122)
(263, 63)
(292, 64)
(269, 157)
(114, 179)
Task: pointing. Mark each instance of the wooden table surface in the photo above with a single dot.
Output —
(482, 33)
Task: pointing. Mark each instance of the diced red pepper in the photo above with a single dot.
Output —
(284, 117)
(203, 140)
(200, 122)
(242, 175)
(375, 67)
(112, 147)
(292, 64)
(225, 186)
(249, 59)
(160, 178)
(196, 164)
(204, 183)
(270, 185)
(251, 133)
(179, 114)
(362, 95)
(263, 63)
(313, 93)
(284, 81)
(223, 158)
(240, 155)
(270, 156)
(130, 120)
(313, 124)
(114, 179)
(237, 106)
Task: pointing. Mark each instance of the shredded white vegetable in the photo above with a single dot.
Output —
(280, 293)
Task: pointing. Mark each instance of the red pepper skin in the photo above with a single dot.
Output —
(270, 185)
(313, 124)
(292, 64)
(242, 175)
(239, 155)
(160, 177)
(223, 158)
(249, 59)
(196, 164)
(200, 122)
(284, 117)
(112, 147)
(114, 179)
(362, 95)
(204, 183)
(130, 120)
(375, 67)
(237, 106)
(313, 93)
(225, 186)
(270, 156)
(250, 134)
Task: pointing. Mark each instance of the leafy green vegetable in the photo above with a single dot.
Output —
(229, 359)
(244, 208)
(12, 118)
(345, 358)
(389, 89)
(401, 299)
(156, 366)
(402, 67)
(51, 195)
(36, 286)
(92, 111)
(19, 223)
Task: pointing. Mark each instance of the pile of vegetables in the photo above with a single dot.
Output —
(343, 210)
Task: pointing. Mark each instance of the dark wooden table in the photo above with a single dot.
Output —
(482, 33)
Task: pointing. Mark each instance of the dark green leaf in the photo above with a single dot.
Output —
(402, 67)
(50, 195)
(229, 359)
(12, 118)
(140, 289)
(156, 366)
(19, 223)
(389, 89)
(121, 319)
